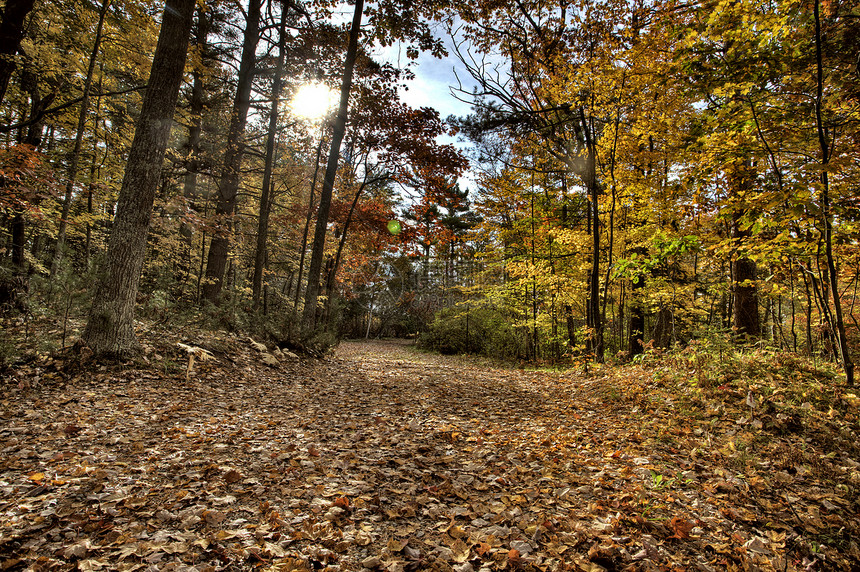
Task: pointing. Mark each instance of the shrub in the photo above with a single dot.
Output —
(483, 330)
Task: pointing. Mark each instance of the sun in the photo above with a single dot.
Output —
(312, 101)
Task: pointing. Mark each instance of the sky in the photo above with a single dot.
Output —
(432, 87)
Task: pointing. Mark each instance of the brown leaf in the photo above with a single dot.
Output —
(232, 476)
(681, 528)
(461, 551)
(214, 517)
(342, 502)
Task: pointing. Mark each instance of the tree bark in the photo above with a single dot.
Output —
(11, 34)
(746, 321)
(265, 201)
(18, 223)
(228, 188)
(338, 131)
(110, 327)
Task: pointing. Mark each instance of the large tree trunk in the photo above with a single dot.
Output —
(745, 315)
(228, 188)
(110, 327)
(11, 34)
(312, 291)
(72, 175)
(265, 201)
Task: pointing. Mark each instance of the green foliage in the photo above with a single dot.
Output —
(466, 329)
(713, 366)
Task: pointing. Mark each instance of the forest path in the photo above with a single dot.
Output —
(379, 457)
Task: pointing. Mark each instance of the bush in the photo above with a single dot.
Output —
(483, 330)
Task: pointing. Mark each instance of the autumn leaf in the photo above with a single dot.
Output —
(342, 502)
(680, 527)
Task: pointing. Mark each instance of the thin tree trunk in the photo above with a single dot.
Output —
(79, 138)
(93, 170)
(192, 147)
(229, 186)
(304, 246)
(110, 327)
(636, 335)
(32, 138)
(827, 223)
(331, 275)
(265, 206)
(312, 291)
(596, 335)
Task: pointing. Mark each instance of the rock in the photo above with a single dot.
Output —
(258, 346)
(269, 359)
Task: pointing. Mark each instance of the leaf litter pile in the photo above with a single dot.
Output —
(383, 458)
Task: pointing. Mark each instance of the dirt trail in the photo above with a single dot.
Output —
(379, 457)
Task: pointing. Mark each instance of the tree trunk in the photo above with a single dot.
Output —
(79, 138)
(304, 247)
(195, 129)
(664, 330)
(32, 138)
(312, 291)
(746, 321)
(329, 289)
(229, 186)
(11, 34)
(596, 323)
(827, 223)
(745, 316)
(265, 202)
(94, 165)
(110, 327)
(636, 336)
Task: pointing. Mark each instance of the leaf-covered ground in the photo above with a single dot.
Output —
(383, 458)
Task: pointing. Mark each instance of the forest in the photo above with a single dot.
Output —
(259, 312)
(632, 177)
